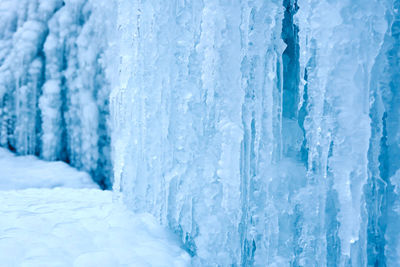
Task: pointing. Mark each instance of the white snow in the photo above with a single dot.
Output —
(30, 172)
(70, 226)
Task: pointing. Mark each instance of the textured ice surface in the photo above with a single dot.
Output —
(264, 133)
(195, 79)
(80, 227)
(261, 132)
(53, 86)
(346, 55)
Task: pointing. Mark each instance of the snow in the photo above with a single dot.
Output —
(22, 172)
(53, 215)
(80, 227)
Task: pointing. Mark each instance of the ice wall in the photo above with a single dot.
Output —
(346, 61)
(197, 80)
(53, 84)
(264, 133)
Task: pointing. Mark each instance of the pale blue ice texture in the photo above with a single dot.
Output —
(53, 86)
(264, 133)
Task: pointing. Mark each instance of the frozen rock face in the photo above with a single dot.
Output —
(53, 85)
(264, 133)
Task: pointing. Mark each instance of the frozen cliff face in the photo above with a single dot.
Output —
(53, 85)
(384, 150)
(262, 136)
(263, 133)
(349, 57)
(197, 122)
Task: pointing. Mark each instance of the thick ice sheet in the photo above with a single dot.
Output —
(80, 227)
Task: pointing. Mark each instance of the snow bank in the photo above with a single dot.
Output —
(70, 227)
(53, 215)
(21, 172)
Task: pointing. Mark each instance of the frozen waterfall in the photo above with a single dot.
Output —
(54, 89)
(263, 133)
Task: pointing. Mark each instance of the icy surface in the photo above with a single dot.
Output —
(53, 83)
(263, 133)
(30, 172)
(80, 227)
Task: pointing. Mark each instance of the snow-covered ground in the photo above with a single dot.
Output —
(30, 172)
(73, 227)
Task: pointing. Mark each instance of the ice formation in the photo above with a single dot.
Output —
(263, 133)
(53, 84)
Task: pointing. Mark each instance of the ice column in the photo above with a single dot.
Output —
(263, 133)
(196, 81)
(340, 41)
